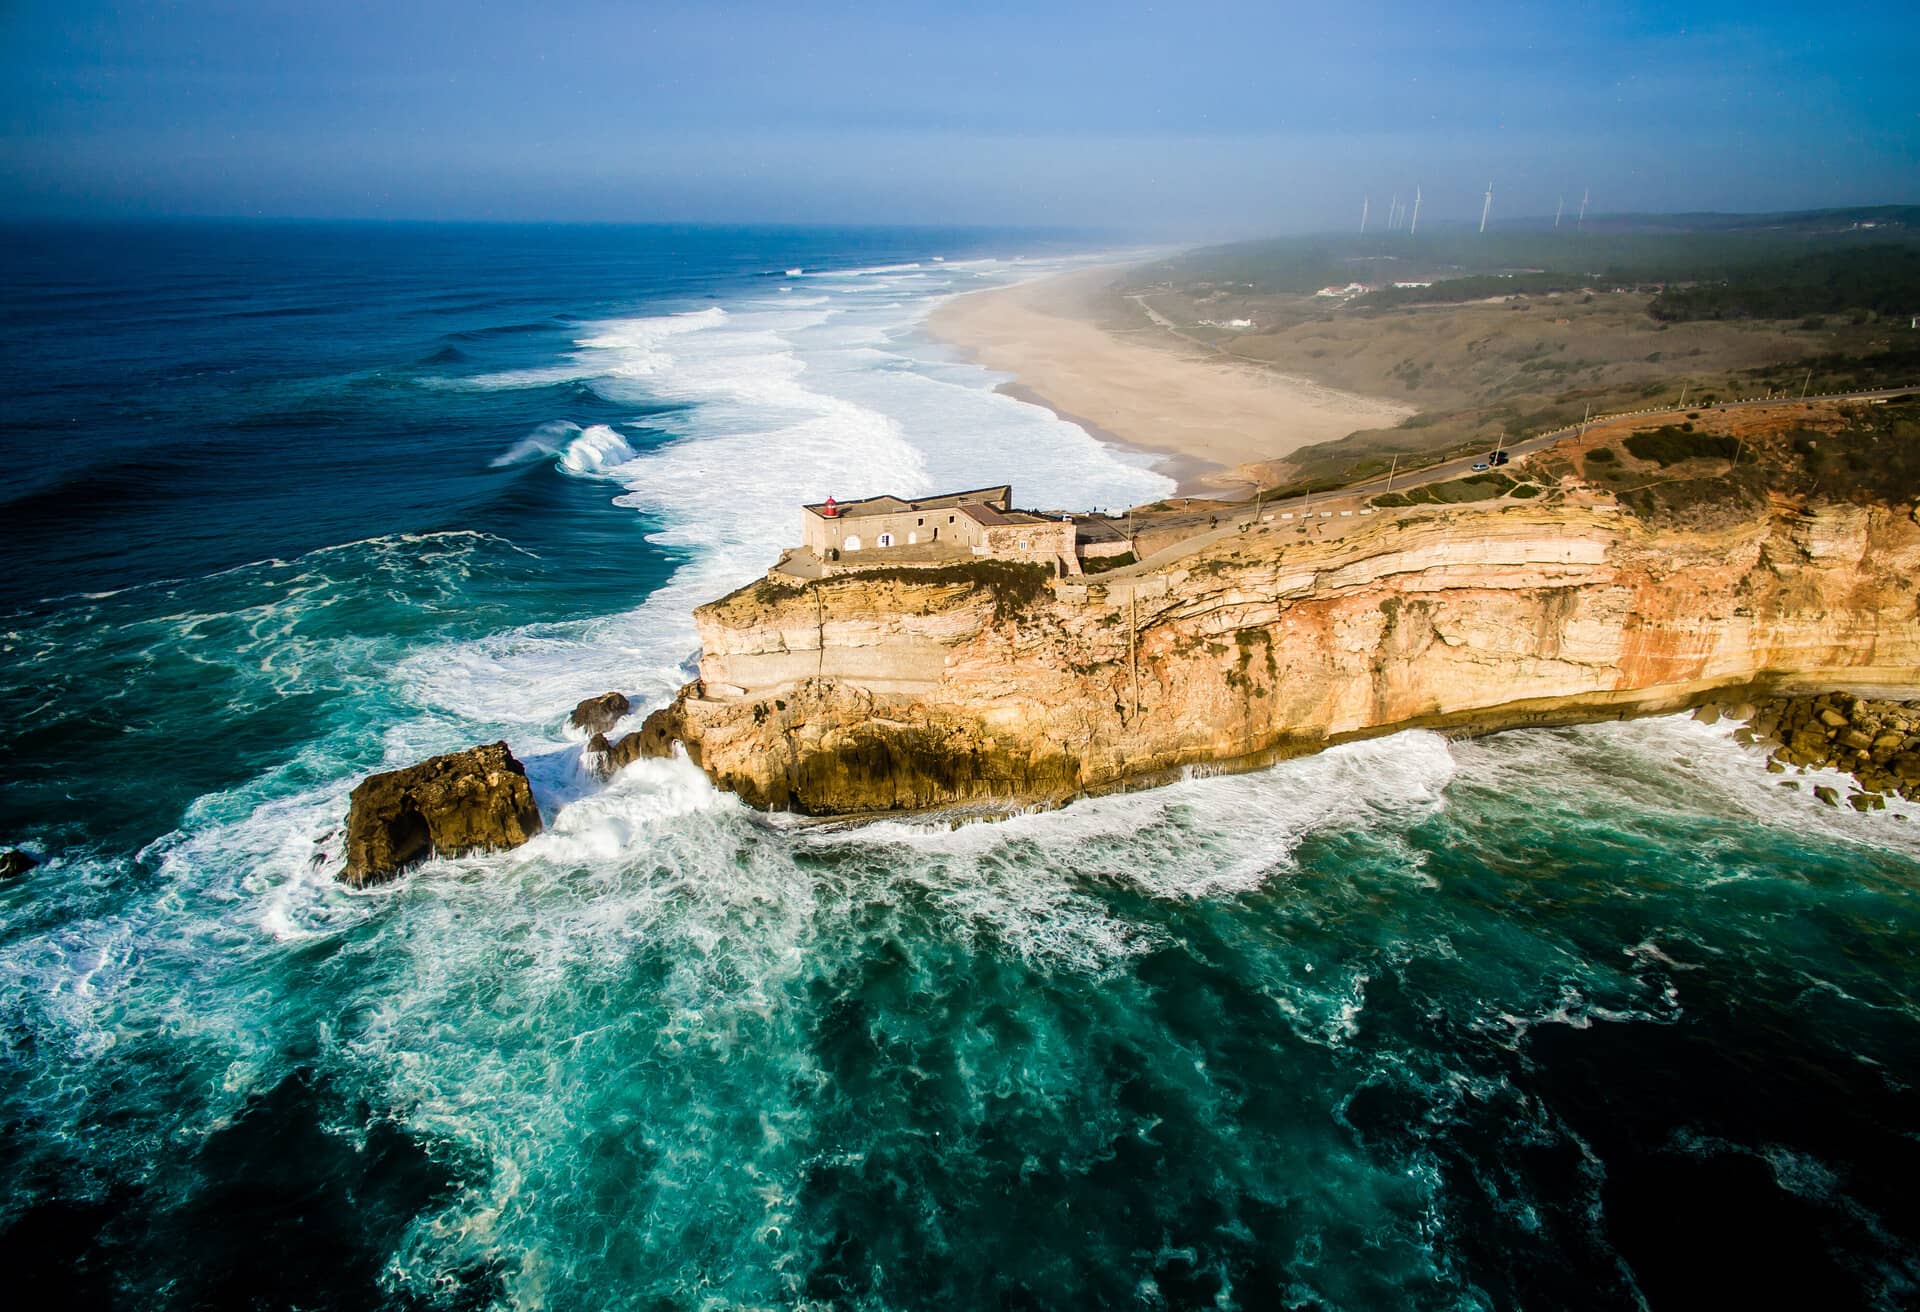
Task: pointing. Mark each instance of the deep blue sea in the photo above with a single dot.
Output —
(1595, 1018)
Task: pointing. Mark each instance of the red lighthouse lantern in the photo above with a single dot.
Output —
(830, 510)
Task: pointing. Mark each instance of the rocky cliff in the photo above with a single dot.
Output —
(913, 689)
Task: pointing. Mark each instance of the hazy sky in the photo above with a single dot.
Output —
(1191, 117)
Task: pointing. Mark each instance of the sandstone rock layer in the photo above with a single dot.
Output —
(863, 694)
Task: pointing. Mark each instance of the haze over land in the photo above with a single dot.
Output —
(1227, 119)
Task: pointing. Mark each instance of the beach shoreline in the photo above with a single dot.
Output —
(1205, 418)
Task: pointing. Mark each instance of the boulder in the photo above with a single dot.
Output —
(599, 714)
(655, 737)
(1826, 794)
(472, 801)
(14, 863)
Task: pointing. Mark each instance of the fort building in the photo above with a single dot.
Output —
(953, 526)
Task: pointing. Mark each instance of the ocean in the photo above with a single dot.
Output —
(1586, 1018)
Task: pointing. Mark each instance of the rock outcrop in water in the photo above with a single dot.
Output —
(1877, 742)
(14, 863)
(910, 689)
(472, 801)
(596, 715)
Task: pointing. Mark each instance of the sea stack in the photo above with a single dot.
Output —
(596, 715)
(472, 801)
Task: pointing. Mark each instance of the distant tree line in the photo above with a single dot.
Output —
(1880, 279)
(1480, 286)
(1769, 255)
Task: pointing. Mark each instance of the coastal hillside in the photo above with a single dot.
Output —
(1525, 327)
(1686, 563)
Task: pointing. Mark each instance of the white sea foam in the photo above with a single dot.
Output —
(544, 441)
(593, 450)
(597, 450)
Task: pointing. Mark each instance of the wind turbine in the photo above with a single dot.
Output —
(1559, 205)
(1415, 225)
(1581, 225)
(1487, 208)
(1364, 202)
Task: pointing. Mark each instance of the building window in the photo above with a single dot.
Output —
(851, 544)
(1025, 545)
(921, 521)
(949, 519)
(884, 540)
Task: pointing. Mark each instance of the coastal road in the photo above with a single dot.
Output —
(1329, 502)
(1463, 465)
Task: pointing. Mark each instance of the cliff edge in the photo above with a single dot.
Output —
(988, 683)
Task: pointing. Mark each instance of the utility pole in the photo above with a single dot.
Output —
(1487, 208)
(1683, 396)
(1804, 386)
(1584, 418)
(1390, 471)
(1415, 225)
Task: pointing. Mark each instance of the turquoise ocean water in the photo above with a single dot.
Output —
(1586, 1018)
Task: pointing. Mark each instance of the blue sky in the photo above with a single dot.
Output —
(1193, 118)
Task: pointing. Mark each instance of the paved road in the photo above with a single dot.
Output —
(1460, 468)
(1231, 520)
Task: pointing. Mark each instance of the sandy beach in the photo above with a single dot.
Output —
(1149, 389)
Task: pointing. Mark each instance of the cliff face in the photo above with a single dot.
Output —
(869, 693)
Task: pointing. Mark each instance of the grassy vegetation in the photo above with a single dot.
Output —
(1475, 487)
(1015, 586)
(1670, 444)
(1101, 564)
(1839, 371)
(1872, 458)
(1859, 280)
(1876, 457)
(1479, 287)
(1658, 249)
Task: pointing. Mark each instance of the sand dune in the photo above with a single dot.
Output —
(1149, 389)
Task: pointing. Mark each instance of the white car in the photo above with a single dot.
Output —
(1480, 465)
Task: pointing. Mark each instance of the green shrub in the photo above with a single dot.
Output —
(1668, 445)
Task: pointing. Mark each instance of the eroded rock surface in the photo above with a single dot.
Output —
(472, 801)
(596, 715)
(1876, 741)
(864, 693)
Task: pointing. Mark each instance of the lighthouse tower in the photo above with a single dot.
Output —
(831, 510)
